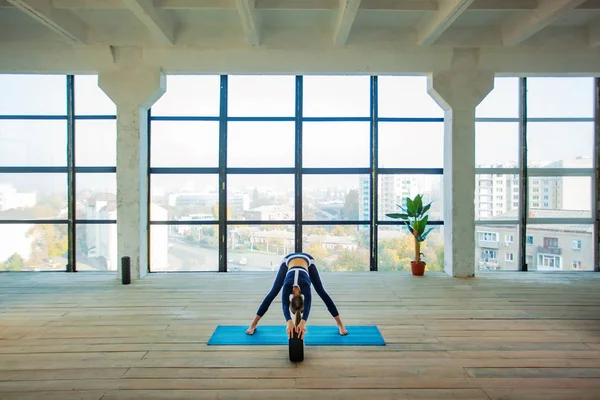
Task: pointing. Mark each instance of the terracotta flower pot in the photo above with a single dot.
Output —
(418, 268)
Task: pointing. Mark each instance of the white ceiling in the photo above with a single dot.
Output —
(320, 25)
(90, 22)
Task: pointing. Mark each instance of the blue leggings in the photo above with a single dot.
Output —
(278, 284)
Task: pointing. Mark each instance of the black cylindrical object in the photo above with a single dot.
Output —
(125, 270)
(296, 348)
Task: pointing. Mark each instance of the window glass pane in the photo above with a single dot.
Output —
(496, 197)
(496, 248)
(552, 248)
(560, 144)
(396, 248)
(261, 96)
(260, 144)
(406, 96)
(96, 196)
(184, 144)
(95, 143)
(336, 96)
(33, 143)
(502, 101)
(260, 197)
(258, 247)
(335, 197)
(335, 144)
(90, 99)
(496, 144)
(393, 190)
(184, 197)
(184, 248)
(560, 197)
(337, 247)
(33, 196)
(189, 95)
(50, 95)
(96, 247)
(33, 247)
(397, 139)
(560, 97)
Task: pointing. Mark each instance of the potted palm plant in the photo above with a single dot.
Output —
(415, 216)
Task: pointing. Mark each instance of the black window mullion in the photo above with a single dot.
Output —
(223, 176)
(71, 201)
(373, 201)
(298, 165)
(523, 183)
(149, 188)
(596, 183)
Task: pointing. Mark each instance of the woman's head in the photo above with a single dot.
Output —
(297, 303)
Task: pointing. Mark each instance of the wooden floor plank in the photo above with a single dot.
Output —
(540, 394)
(498, 336)
(54, 395)
(301, 394)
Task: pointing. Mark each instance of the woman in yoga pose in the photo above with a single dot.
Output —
(296, 273)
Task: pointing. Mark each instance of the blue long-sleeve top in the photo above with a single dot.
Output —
(296, 276)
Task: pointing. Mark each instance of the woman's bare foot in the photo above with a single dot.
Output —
(250, 330)
(343, 330)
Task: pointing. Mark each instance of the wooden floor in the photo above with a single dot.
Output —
(504, 336)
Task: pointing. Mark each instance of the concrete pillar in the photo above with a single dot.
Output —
(133, 90)
(458, 91)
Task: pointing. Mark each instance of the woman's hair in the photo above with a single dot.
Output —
(297, 306)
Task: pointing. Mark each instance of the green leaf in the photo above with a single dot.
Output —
(410, 228)
(422, 237)
(418, 202)
(424, 223)
(397, 216)
(426, 208)
(410, 207)
(402, 208)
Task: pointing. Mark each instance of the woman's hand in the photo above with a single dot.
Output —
(290, 329)
(301, 328)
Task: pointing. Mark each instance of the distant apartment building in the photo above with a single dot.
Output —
(286, 239)
(394, 189)
(363, 198)
(238, 204)
(184, 199)
(270, 212)
(10, 198)
(497, 194)
(99, 246)
(548, 247)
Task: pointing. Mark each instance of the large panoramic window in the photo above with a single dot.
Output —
(551, 142)
(497, 178)
(184, 179)
(255, 167)
(560, 149)
(95, 177)
(33, 173)
(407, 118)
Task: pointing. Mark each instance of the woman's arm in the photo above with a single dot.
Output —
(307, 302)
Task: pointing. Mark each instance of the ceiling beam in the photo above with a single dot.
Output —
(594, 33)
(522, 27)
(438, 23)
(395, 5)
(345, 19)
(250, 22)
(63, 22)
(160, 25)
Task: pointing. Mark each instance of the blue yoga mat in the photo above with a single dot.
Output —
(314, 336)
